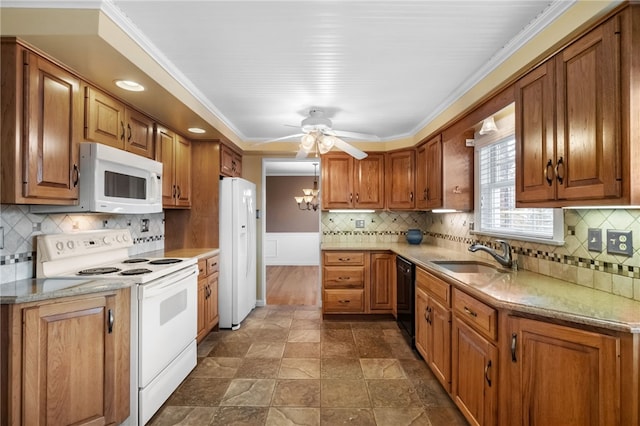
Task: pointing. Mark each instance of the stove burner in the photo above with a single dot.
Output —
(137, 260)
(98, 271)
(164, 261)
(137, 271)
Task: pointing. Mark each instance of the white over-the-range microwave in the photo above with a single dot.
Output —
(114, 181)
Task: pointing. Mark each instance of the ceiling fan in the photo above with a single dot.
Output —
(318, 135)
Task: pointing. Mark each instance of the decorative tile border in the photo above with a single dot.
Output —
(17, 258)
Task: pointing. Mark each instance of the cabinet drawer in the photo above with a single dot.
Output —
(202, 268)
(212, 265)
(343, 258)
(435, 287)
(343, 277)
(338, 301)
(481, 317)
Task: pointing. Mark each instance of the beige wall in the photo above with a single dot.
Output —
(281, 211)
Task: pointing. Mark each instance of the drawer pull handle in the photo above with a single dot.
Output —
(344, 259)
(486, 373)
(344, 301)
(514, 343)
(470, 312)
(344, 278)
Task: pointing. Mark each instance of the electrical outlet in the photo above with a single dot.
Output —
(594, 239)
(619, 242)
(144, 225)
(360, 223)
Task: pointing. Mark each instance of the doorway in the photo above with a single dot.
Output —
(290, 233)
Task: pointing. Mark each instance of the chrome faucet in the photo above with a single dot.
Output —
(504, 259)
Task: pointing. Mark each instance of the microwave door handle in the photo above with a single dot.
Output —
(156, 185)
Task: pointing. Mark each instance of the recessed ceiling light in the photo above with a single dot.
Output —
(196, 130)
(129, 85)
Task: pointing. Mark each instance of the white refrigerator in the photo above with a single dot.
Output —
(237, 279)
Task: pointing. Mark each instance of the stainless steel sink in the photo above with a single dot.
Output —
(468, 267)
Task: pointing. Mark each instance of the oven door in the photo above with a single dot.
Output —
(167, 321)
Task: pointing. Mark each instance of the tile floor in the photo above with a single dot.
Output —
(286, 366)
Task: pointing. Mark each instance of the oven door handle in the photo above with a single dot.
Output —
(159, 286)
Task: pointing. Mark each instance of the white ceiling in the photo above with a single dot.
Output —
(378, 67)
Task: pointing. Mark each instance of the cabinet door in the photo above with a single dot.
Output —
(421, 177)
(69, 357)
(212, 301)
(104, 119)
(422, 319)
(562, 376)
(54, 114)
(182, 164)
(400, 180)
(381, 282)
(535, 136)
(589, 103)
(202, 308)
(457, 172)
(434, 172)
(337, 181)
(439, 342)
(139, 134)
(474, 384)
(166, 147)
(369, 182)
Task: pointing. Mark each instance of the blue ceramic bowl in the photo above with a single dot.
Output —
(414, 236)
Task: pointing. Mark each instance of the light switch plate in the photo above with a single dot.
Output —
(619, 242)
(594, 239)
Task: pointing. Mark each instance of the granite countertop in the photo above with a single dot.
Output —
(35, 289)
(521, 291)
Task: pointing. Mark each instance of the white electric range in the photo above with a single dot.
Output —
(163, 308)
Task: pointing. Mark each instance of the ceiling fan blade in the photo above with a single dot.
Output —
(297, 135)
(354, 135)
(350, 149)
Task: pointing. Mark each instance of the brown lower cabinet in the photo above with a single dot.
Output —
(564, 376)
(508, 368)
(207, 296)
(357, 282)
(66, 361)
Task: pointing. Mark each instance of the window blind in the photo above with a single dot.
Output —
(498, 212)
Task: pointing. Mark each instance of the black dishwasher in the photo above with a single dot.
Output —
(405, 297)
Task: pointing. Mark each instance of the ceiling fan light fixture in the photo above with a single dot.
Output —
(308, 141)
(325, 143)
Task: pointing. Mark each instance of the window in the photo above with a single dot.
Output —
(495, 210)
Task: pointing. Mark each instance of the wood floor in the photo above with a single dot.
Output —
(293, 285)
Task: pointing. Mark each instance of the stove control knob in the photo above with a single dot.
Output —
(118, 238)
(106, 241)
(125, 238)
(70, 244)
(60, 246)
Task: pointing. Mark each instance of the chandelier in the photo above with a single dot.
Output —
(310, 200)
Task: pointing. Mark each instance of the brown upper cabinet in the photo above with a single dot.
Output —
(230, 162)
(348, 183)
(41, 127)
(575, 121)
(174, 152)
(429, 174)
(400, 176)
(110, 122)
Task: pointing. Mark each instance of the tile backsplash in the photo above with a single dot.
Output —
(20, 228)
(571, 262)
